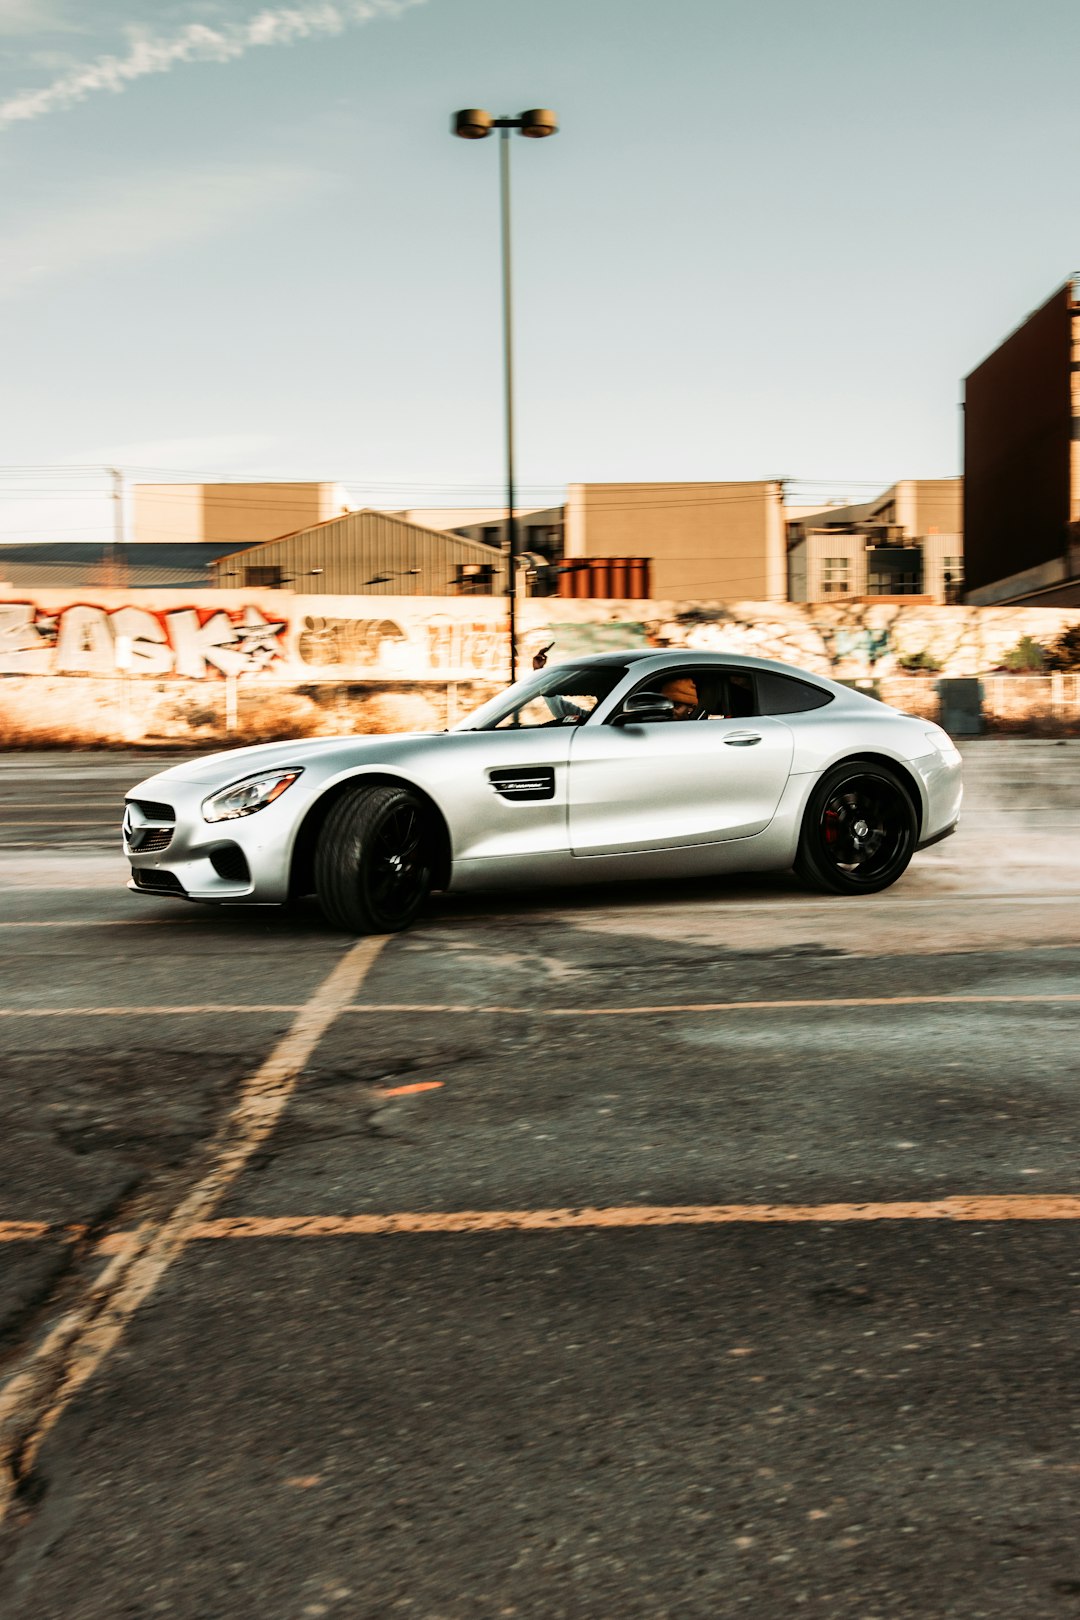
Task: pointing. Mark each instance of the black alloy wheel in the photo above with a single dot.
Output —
(373, 861)
(859, 830)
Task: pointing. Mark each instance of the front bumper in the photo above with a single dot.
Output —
(173, 851)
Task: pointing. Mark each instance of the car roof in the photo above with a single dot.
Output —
(675, 656)
(623, 657)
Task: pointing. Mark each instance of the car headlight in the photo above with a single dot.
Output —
(944, 744)
(244, 798)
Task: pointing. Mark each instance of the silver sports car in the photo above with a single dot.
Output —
(623, 765)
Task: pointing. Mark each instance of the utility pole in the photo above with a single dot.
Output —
(117, 567)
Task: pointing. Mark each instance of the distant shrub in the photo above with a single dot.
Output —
(1028, 657)
(920, 663)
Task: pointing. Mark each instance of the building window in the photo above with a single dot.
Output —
(952, 579)
(262, 578)
(886, 582)
(474, 579)
(835, 575)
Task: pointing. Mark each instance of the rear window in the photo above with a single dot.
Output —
(783, 694)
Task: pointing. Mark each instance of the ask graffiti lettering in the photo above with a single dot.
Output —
(194, 643)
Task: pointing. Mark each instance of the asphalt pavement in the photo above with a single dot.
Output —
(690, 1250)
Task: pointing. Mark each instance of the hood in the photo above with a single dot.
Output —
(217, 770)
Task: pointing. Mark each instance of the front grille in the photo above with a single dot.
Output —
(153, 838)
(162, 882)
(148, 825)
(152, 811)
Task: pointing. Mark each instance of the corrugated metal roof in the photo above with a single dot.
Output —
(351, 554)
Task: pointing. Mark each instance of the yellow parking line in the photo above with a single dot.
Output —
(720, 1006)
(976, 1208)
(1005, 1208)
(150, 1011)
(1063, 998)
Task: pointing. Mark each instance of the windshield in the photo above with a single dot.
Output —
(563, 696)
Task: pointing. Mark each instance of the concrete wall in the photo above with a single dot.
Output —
(705, 540)
(133, 666)
(274, 636)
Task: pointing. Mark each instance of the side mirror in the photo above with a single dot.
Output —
(642, 707)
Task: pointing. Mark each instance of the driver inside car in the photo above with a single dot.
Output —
(682, 691)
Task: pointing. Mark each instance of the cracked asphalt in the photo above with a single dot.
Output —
(871, 1418)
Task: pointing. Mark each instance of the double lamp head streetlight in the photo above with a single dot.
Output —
(474, 124)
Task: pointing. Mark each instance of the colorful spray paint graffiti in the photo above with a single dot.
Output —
(210, 635)
(86, 639)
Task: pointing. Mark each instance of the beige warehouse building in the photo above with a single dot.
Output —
(231, 514)
(704, 541)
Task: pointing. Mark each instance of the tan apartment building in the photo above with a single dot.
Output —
(904, 543)
(704, 541)
(231, 514)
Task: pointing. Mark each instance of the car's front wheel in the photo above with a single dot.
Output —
(373, 860)
(859, 831)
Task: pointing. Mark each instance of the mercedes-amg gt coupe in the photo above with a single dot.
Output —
(638, 764)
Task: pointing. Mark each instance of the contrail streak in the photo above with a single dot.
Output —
(198, 42)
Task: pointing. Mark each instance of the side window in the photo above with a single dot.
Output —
(783, 694)
(706, 693)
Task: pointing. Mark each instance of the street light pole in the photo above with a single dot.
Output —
(510, 547)
(474, 124)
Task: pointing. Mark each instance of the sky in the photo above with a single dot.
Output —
(769, 240)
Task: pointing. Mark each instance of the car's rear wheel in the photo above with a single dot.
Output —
(373, 860)
(859, 831)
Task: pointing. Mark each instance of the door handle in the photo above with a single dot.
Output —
(743, 739)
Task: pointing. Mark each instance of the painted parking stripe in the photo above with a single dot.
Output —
(1019, 1208)
(149, 1011)
(34, 1399)
(1062, 998)
(974, 1209)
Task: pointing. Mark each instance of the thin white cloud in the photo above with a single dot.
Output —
(139, 220)
(32, 17)
(197, 42)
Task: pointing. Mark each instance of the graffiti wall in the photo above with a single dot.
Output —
(273, 636)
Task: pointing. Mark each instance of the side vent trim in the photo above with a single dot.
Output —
(525, 784)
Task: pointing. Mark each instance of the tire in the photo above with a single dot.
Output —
(373, 860)
(859, 831)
